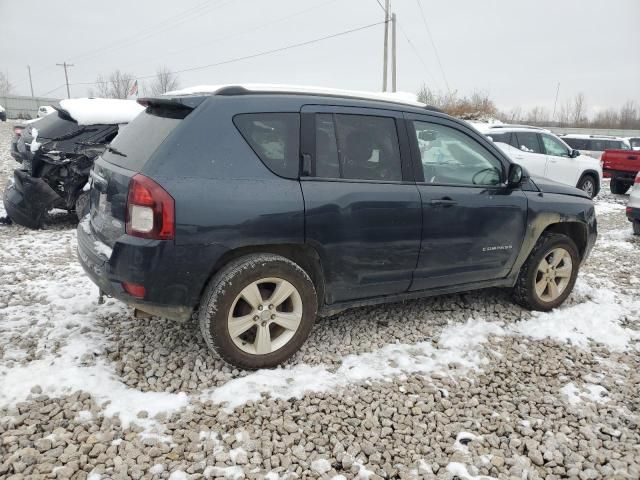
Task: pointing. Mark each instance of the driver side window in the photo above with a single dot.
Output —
(452, 157)
(554, 147)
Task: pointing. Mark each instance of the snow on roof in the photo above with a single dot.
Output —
(101, 111)
(398, 97)
(593, 137)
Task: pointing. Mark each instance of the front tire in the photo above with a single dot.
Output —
(548, 276)
(588, 185)
(618, 187)
(258, 311)
(636, 227)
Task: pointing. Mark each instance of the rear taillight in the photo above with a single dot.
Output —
(637, 180)
(150, 210)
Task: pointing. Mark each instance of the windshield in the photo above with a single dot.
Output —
(135, 143)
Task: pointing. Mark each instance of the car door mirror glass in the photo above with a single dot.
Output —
(575, 153)
(516, 175)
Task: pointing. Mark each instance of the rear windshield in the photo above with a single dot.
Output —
(53, 126)
(139, 140)
(60, 133)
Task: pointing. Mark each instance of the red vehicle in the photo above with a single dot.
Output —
(621, 166)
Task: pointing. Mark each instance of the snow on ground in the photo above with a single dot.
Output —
(476, 375)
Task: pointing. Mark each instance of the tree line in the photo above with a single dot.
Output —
(572, 112)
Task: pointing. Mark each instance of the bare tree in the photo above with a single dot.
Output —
(477, 106)
(164, 81)
(5, 85)
(629, 115)
(537, 115)
(608, 118)
(118, 85)
(578, 115)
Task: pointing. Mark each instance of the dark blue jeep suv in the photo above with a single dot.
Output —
(261, 208)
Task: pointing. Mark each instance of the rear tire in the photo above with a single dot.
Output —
(548, 276)
(258, 311)
(588, 185)
(636, 227)
(618, 187)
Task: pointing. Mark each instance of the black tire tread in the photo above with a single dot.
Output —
(215, 289)
(521, 293)
(593, 179)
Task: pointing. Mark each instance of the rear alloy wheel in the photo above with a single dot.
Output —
(547, 277)
(588, 185)
(258, 311)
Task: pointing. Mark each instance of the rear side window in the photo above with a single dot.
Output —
(577, 143)
(357, 147)
(136, 142)
(528, 142)
(275, 138)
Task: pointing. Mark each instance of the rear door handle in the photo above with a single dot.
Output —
(444, 202)
(632, 157)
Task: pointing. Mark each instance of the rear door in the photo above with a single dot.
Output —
(362, 207)
(530, 155)
(560, 166)
(472, 226)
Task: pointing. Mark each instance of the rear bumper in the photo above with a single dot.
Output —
(620, 174)
(173, 276)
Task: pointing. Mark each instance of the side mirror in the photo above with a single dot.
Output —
(515, 175)
(574, 153)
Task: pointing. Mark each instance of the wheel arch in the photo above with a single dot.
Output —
(302, 254)
(596, 177)
(576, 231)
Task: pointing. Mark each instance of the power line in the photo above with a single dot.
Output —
(433, 44)
(254, 55)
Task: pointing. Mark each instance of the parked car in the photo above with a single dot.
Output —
(3, 114)
(544, 154)
(595, 145)
(260, 207)
(45, 110)
(622, 166)
(633, 207)
(56, 153)
(634, 142)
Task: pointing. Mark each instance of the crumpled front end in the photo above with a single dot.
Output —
(27, 199)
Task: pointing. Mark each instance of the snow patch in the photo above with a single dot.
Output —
(178, 475)
(460, 470)
(230, 473)
(157, 469)
(321, 466)
(593, 393)
(101, 111)
(459, 344)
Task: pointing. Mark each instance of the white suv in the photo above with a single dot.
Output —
(544, 154)
(595, 145)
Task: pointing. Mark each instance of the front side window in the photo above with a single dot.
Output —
(275, 138)
(452, 157)
(357, 147)
(528, 142)
(554, 147)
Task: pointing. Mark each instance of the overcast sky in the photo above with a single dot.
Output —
(516, 50)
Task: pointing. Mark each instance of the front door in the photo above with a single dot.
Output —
(362, 208)
(531, 155)
(560, 166)
(473, 226)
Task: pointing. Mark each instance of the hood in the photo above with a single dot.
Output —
(546, 185)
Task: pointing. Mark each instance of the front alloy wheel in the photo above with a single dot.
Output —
(553, 275)
(588, 186)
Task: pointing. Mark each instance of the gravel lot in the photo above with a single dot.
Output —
(467, 386)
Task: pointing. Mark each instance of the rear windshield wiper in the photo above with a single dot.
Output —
(107, 147)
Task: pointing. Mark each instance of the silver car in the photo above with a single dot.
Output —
(633, 207)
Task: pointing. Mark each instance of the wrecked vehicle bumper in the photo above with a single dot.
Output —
(27, 199)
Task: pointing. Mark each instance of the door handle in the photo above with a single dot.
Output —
(444, 202)
(632, 157)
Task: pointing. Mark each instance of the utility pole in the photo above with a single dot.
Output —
(66, 75)
(30, 81)
(393, 52)
(553, 117)
(386, 46)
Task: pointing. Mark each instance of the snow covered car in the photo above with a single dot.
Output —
(45, 110)
(544, 154)
(56, 153)
(3, 114)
